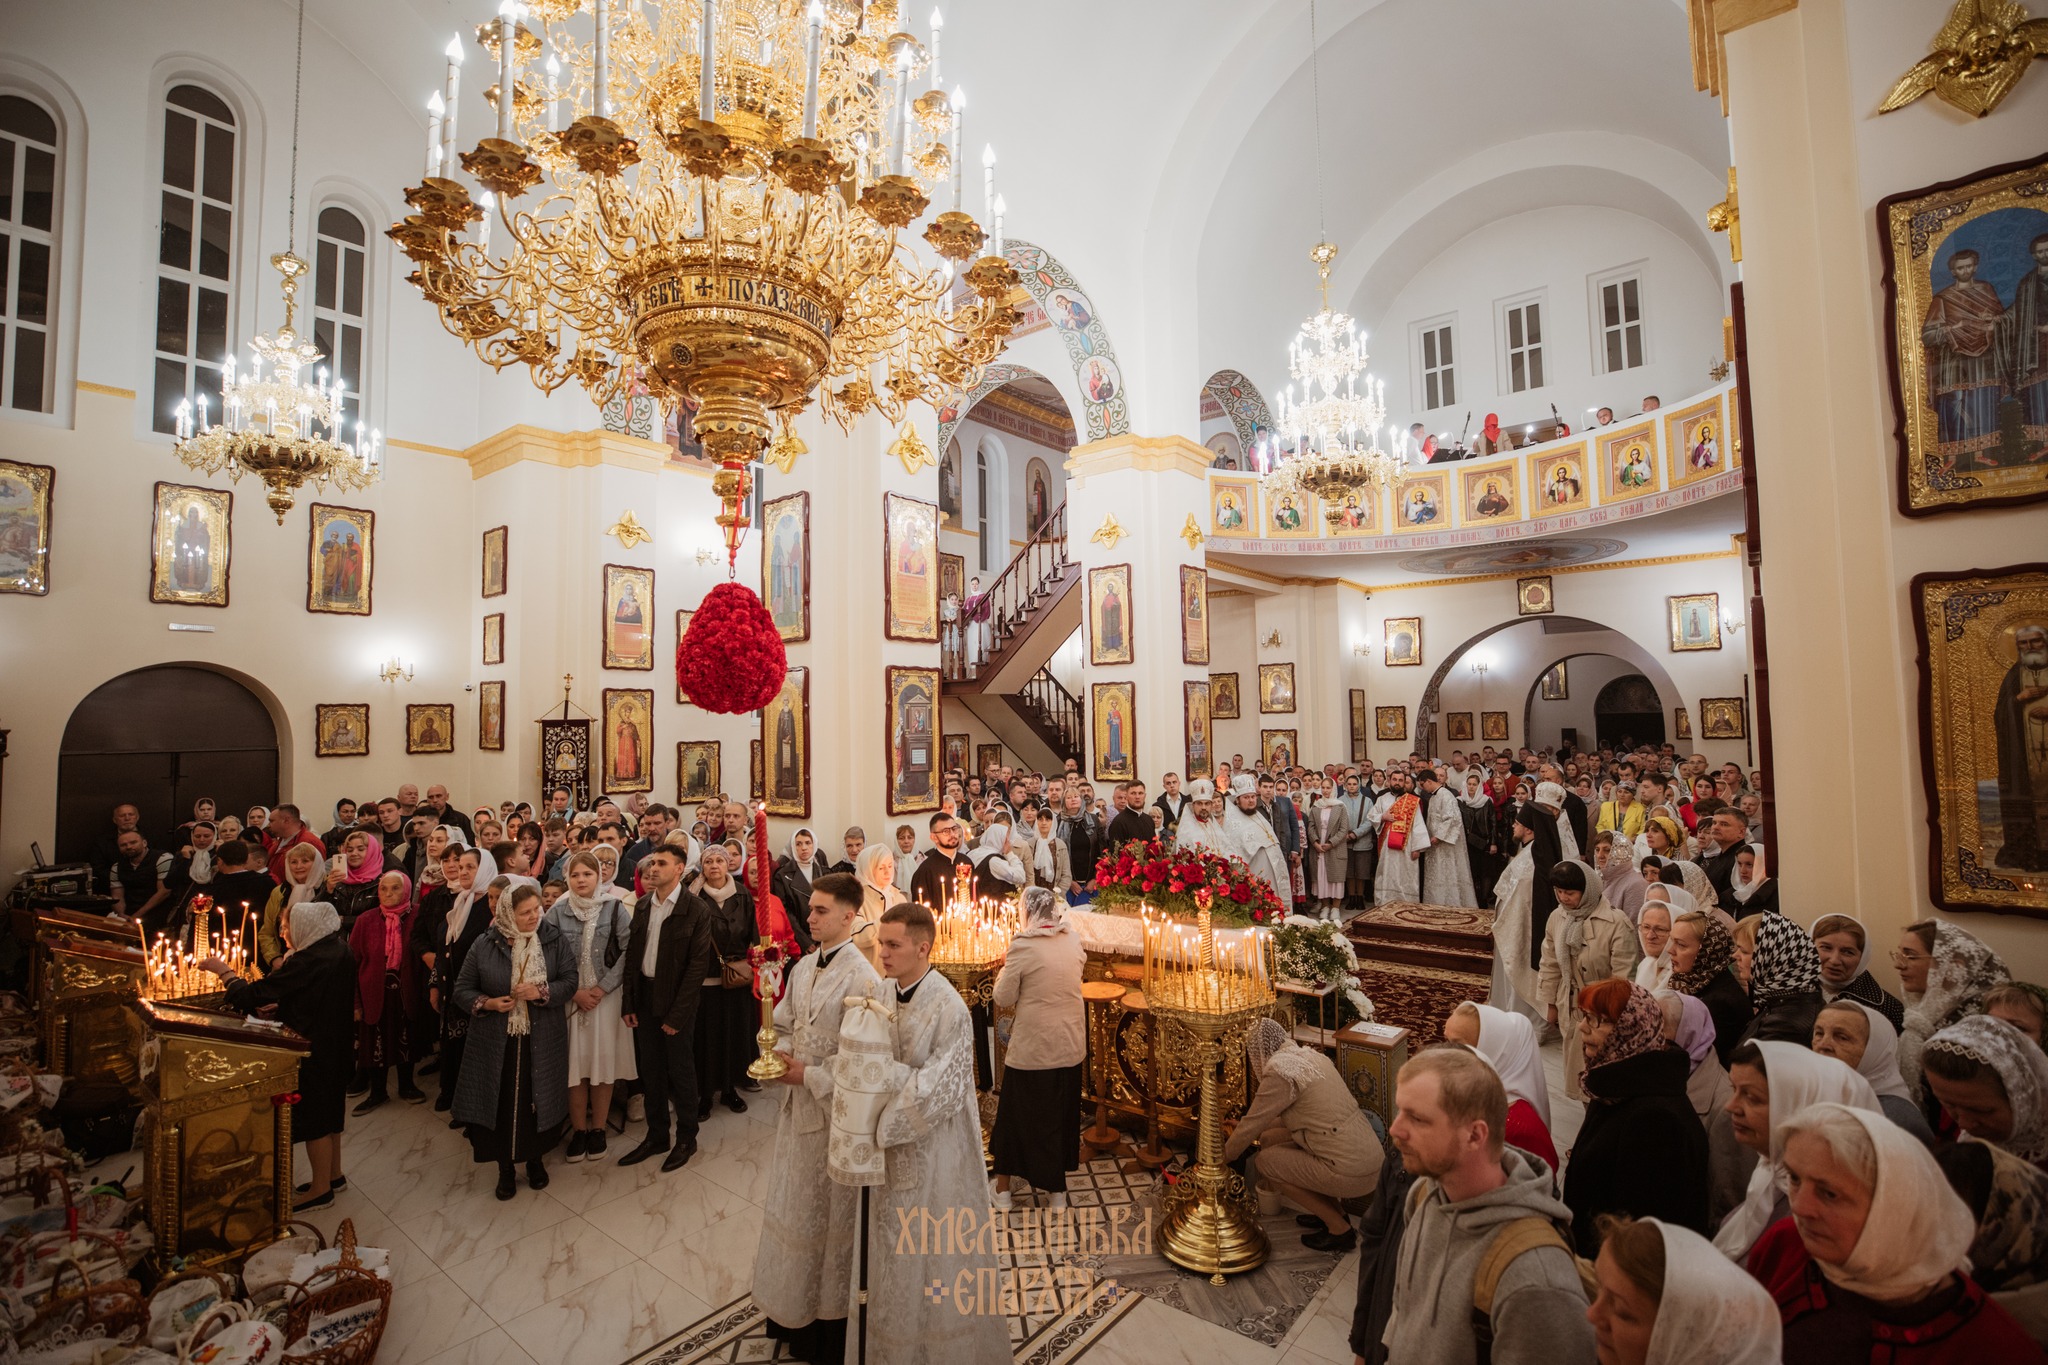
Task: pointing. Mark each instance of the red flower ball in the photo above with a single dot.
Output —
(731, 661)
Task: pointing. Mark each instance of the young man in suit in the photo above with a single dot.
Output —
(668, 955)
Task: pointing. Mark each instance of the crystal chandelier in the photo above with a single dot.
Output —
(722, 185)
(1335, 426)
(268, 421)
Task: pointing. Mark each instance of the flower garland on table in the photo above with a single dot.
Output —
(1316, 953)
(1147, 872)
(731, 660)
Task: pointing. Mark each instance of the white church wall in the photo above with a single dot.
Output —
(1584, 676)
(1550, 254)
(1233, 648)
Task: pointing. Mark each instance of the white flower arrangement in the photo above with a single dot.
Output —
(1316, 953)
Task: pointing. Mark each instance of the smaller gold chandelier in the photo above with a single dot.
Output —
(1334, 428)
(267, 421)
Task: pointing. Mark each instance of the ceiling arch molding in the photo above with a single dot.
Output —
(1242, 403)
(1610, 642)
(1077, 321)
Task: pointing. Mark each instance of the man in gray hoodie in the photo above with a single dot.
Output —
(1470, 1187)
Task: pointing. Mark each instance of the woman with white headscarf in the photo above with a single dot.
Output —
(1854, 1033)
(515, 985)
(799, 866)
(1508, 1043)
(1945, 972)
(1874, 1263)
(312, 991)
(876, 870)
(462, 918)
(1035, 1138)
(1993, 1081)
(597, 925)
(303, 873)
(1653, 935)
(1772, 1081)
(1755, 889)
(997, 875)
(1666, 1297)
(1314, 1142)
(1588, 940)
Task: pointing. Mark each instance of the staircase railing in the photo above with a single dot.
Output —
(1058, 710)
(986, 622)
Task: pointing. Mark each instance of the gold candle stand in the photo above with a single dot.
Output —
(766, 959)
(1209, 1220)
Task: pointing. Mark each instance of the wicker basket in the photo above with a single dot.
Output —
(114, 1309)
(224, 1293)
(343, 1285)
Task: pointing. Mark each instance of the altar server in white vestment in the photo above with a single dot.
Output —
(1404, 838)
(810, 1226)
(934, 1295)
(1248, 835)
(1446, 871)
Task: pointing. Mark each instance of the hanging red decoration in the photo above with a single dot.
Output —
(731, 659)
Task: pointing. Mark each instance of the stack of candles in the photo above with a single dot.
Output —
(174, 972)
(975, 930)
(1187, 969)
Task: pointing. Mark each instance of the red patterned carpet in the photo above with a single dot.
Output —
(1416, 962)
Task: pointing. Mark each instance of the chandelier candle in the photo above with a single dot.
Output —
(707, 87)
(938, 23)
(959, 170)
(814, 52)
(508, 66)
(450, 100)
(434, 108)
(600, 62)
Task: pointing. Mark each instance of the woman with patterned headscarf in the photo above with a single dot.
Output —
(1641, 1150)
(1313, 1140)
(1784, 980)
(1946, 973)
(514, 1093)
(1993, 1081)
(1702, 964)
(390, 998)
(2009, 1199)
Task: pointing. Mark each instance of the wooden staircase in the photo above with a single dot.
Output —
(995, 658)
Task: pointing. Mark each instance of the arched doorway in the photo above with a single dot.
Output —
(161, 738)
(1628, 713)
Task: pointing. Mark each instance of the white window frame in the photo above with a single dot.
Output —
(32, 82)
(1417, 331)
(1504, 368)
(238, 208)
(357, 400)
(1596, 315)
(19, 235)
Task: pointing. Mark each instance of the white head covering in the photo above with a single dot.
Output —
(1880, 1064)
(816, 866)
(200, 869)
(1744, 890)
(310, 922)
(1713, 1312)
(529, 964)
(458, 909)
(1654, 973)
(1918, 1231)
(1508, 1043)
(1550, 794)
(2022, 1069)
(1677, 897)
(300, 892)
(1045, 913)
(1202, 789)
(990, 851)
(1798, 1077)
(1244, 784)
(872, 857)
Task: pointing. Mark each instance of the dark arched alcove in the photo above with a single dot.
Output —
(1628, 710)
(161, 738)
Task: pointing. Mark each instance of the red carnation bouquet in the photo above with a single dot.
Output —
(1147, 872)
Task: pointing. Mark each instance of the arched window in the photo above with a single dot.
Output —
(341, 291)
(195, 250)
(981, 526)
(28, 247)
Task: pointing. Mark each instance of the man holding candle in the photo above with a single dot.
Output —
(945, 861)
(809, 1225)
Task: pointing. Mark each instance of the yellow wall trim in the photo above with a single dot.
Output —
(397, 444)
(1709, 23)
(87, 386)
(1147, 453)
(1535, 573)
(564, 450)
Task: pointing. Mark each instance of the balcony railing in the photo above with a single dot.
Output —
(982, 625)
(1056, 711)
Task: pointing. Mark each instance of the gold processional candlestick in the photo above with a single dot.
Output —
(767, 959)
(1209, 1220)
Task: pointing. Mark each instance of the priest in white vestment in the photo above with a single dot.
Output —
(1446, 870)
(1248, 835)
(1550, 796)
(810, 1224)
(1404, 837)
(933, 1280)
(1199, 825)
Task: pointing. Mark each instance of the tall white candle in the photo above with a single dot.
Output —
(452, 101)
(938, 23)
(707, 89)
(601, 63)
(988, 182)
(434, 109)
(1001, 208)
(563, 112)
(814, 56)
(959, 171)
(508, 65)
(483, 233)
(903, 115)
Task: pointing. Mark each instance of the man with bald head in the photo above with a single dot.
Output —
(1574, 807)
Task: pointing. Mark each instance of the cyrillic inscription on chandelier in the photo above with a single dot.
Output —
(685, 291)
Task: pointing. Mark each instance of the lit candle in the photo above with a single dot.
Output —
(959, 171)
(938, 23)
(434, 108)
(601, 62)
(454, 80)
(814, 56)
(707, 89)
(508, 65)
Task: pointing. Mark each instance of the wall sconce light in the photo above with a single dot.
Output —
(1731, 624)
(1272, 640)
(1363, 649)
(395, 669)
(706, 555)
(1480, 666)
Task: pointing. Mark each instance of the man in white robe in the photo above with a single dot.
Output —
(1199, 827)
(1446, 871)
(810, 1225)
(1397, 815)
(934, 1293)
(1550, 796)
(1247, 835)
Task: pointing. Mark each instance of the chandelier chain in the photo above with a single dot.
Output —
(1315, 76)
(291, 213)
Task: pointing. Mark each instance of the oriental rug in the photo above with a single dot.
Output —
(1416, 962)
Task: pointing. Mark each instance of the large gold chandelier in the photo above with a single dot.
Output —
(1335, 425)
(707, 197)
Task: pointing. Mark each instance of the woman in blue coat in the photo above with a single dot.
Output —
(515, 986)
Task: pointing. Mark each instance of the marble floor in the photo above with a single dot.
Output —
(608, 1261)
